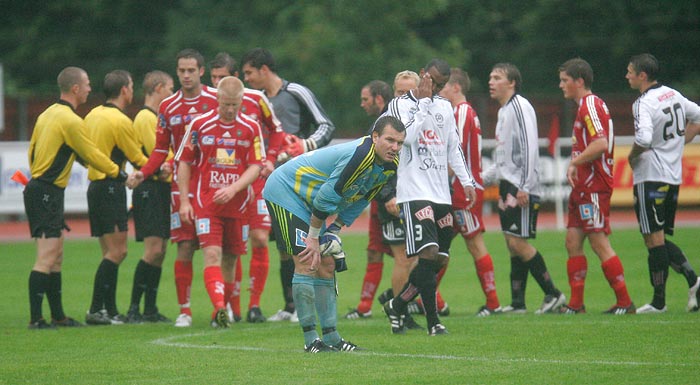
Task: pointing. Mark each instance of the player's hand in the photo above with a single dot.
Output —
(425, 87)
(166, 171)
(186, 211)
(295, 146)
(572, 175)
(392, 208)
(224, 195)
(268, 168)
(523, 198)
(311, 255)
(134, 180)
(470, 192)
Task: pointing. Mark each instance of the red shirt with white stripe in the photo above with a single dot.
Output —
(593, 122)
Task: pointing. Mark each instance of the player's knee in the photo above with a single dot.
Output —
(374, 256)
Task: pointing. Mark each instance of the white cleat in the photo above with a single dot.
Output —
(650, 309)
(551, 304)
(183, 321)
(693, 296)
(283, 315)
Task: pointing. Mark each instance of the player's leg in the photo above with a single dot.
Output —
(576, 268)
(48, 252)
(154, 255)
(259, 268)
(614, 273)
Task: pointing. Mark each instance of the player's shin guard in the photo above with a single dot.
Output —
(373, 276)
(38, 285)
(326, 308)
(259, 268)
(304, 299)
(183, 284)
(658, 273)
(54, 296)
(577, 268)
(518, 281)
(615, 274)
(214, 282)
(424, 278)
(286, 276)
(680, 263)
(487, 278)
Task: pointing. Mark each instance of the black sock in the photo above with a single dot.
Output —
(54, 295)
(426, 282)
(105, 282)
(152, 284)
(286, 275)
(680, 263)
(38, 286)
(518, 281)
(658, 273)
(407, 294)
(111, 289)
(538, 269)
(98, 301)
(139, 286)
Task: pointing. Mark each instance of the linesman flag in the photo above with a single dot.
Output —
(553, 133)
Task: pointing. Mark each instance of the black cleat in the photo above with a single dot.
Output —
(133, 316)
(619, 310)
(346, 346)
(319, 347)
(396, 319)
(437, 329)
(155, 317)
(41, 324)
(66, 323)
(411, 324)
(255, 315)
(385, 296)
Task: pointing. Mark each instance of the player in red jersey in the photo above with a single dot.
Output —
(469, 222)
(174, 114)
(227, 151)
(590, 176)
(256, 106)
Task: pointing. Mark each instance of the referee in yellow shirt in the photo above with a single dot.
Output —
(112, 132)
(59, 135)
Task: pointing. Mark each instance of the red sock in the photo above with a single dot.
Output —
(259, 268)
(484, 270)
(439, 301)
(577, 267)
(228, 293)
(373, 276)
(183, 284)
(615, 274)
(214, 282)
(235, 297)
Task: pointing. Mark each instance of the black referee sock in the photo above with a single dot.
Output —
(38, 286)
(518, 281)
(139, 286)
(426, 282)
(111, 289)
(105, 275)
(658, 273)
(286, 275)
(538, 269)
(54, 295)
(680, 263)
(152, 283)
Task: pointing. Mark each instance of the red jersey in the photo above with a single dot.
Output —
(257, 106)
(221, 152)
(174, 114)
(593, 122)
(469, 130)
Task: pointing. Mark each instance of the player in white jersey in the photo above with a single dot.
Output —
(423, 189)
(515, 165)
(660, 117)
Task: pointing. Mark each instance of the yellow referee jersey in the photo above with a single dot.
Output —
(113, 134)
(145, 124)
(59, 134)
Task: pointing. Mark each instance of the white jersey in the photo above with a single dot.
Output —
(432, 144)
(660, 115)
(517, 154)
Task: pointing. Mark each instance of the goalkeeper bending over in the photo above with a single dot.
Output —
(301, 194)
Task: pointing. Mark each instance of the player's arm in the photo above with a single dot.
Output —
(593, 151)
(691, 130)
(160, 151)
(643, 131)
(223, 195)
(458, 163)
(126, 142)
(324, 126)
(185, 157)
(78, 140)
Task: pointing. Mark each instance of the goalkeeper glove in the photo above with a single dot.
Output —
(296, 146)
(340, 264)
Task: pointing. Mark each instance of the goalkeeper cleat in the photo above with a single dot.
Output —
(396, 319)
(66, 323)
(566, 309)
(693, 294)
(319, 347)
(437, 329)
(356, 314)
(619, 310)
(346, 346)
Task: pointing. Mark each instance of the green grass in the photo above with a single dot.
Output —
(584, 349)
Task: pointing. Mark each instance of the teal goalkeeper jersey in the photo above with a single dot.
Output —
(339, 179)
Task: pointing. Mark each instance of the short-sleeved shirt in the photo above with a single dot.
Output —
(593, 122)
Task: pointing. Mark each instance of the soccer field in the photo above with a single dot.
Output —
(551, 349)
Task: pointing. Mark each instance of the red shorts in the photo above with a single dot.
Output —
(470, 222)
(258, 216)
(589, 211)
(179, 230)
(231, 234)
(376, 239)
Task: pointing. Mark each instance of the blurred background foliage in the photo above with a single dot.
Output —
(335, 47)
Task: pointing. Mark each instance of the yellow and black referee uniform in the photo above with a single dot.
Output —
(113, 134)
(59, 135)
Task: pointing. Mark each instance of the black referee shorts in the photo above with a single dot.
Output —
(151, 210)
(43, 203)
(106, 207)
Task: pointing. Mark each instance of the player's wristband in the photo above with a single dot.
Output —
(314, 232)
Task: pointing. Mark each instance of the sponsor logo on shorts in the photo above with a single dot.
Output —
(175, 221)
(425, 213)
(203, 226)
(445, 221)
(262, 207)
(586, 211)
